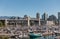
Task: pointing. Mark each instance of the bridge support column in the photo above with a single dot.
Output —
(28, 21)
(5, 22)
(39, 21)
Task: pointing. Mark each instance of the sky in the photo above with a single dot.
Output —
(29, 7)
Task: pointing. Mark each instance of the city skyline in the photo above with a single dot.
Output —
(29, 7)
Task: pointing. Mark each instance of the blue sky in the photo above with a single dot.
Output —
(29, 7)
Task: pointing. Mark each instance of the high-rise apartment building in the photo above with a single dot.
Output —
(44, 16)
(59, 18)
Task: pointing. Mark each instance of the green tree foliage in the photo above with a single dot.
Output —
(4, 37)
(1, 24)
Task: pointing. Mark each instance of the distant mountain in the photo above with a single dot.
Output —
(4, 17)
(9, 17)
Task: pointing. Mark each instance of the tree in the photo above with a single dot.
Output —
(1, 24)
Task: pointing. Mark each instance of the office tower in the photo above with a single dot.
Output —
(59, 18)
(44, 16)
(37, 15)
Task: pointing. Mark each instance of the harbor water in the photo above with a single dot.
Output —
(43, 37)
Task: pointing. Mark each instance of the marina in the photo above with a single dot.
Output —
(38, 34)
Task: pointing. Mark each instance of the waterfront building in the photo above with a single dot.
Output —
(59, 18)
(53, 18)
(50, 23)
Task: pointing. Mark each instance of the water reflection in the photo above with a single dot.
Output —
(45, 37)
(37, 38)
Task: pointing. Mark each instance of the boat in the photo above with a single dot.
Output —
(34, 35)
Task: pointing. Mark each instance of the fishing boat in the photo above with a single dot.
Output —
(34, 35)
